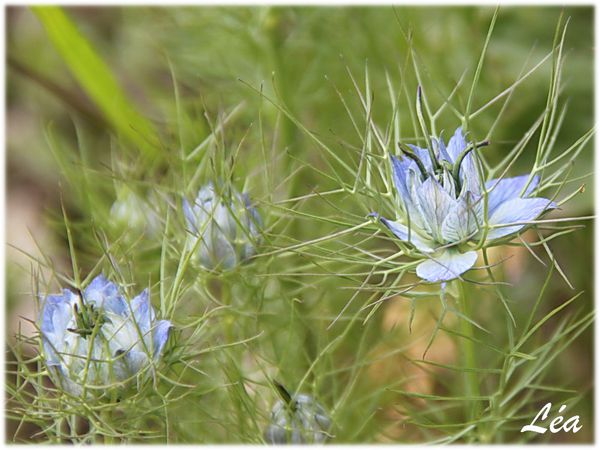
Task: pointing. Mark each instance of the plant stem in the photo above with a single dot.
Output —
(468, 350)
(226, 299)
(107, 419)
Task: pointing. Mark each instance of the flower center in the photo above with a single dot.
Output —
(87, 318)
(441, 166)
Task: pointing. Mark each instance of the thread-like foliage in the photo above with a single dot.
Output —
(321, 304)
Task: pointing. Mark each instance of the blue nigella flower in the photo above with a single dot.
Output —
(225, 227)
(96, 338)
(442, 200)
(299, 420)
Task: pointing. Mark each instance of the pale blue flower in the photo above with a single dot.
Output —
(97, 338)
(224, 227)
(302, 421)
(442, 206)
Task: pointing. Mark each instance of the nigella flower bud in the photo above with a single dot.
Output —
(224, 226)
(96, 338)
(130, 212)
(299, 420)
(442, 206)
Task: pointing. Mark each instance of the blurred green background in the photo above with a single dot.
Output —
(299, 54)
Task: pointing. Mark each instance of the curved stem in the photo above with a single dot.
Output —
(406, 152)
(459, 160)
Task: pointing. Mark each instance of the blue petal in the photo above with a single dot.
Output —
(469, 174)
(136, 360)
(434, 204)
(448, 183)
(399, 171)
(402, 232)
(463, 219)
(198, 215)
(515, 211)
(63, 378)
(247, 251)
(215, 250)
(254, 219)
(456, 145)
(101, 283)
(104, 293)
(253, 225)
(57, 312)
(508, 188)
(143, 313)
(406, 178)
(423, 155)
(276, 434)
(447, 266)
(160, 335)
(190, 218)
(224, 221)
(441, 148)
(206, 193)
(225, 256)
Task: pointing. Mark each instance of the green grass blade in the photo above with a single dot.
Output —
(96, 79)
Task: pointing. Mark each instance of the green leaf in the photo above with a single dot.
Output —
(522, 356)
(96, 79)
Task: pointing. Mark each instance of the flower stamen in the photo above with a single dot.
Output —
(409, 154)
(87, 319)
(461, 157)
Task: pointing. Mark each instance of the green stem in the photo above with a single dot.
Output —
(107, 419)
(229, 318)
(468, 350)
(276, 31)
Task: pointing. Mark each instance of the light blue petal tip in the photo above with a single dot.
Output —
(99, 286)
(143, 312)
(404, 234)
(189, 216)
(515, 211)
(160, 336)
(506, 189)
(105, 293)
(447, 266)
